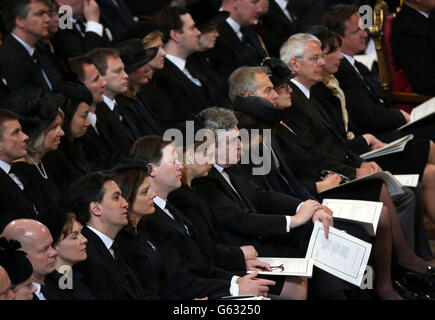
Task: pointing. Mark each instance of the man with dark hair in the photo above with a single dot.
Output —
(413, 43)
(14, 200)
(187, 87)
(96, 148)
(369, 109)
(170, 227)
(114, 122)
(97, 201)
(22, 61)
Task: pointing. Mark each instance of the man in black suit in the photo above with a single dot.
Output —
(413, 43)
(87, 30)
(14, 200)
(113, 120)
(276, 26)
(186, 86)
(95, 146)
(238, 44)
(22, 61)
(369, 109)
(99, 205)
(169, 227)
(36, 241)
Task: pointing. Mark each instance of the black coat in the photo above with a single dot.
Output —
(166, 232)
(70, 43)
(275, 28)
(187, 98)
(97, 150)
(19, 69)
(366, 112)
(106, 279)
(229, 53)
(79, 290)
(14, 202)
(198, 213)
(413, 45)
(255, 219)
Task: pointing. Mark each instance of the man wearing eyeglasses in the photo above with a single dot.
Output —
(22, 61)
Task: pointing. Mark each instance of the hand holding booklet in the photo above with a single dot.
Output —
(393, 147)
(364, 213)
(341, 255)
(421, 112)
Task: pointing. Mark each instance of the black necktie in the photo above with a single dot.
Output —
(129, 278)
(178, 218)
(81, 28)
(116, 112)
(239, 191)
(39, 62)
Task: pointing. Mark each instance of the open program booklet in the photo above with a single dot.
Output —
(393, 185)
(341, 255)
(364, 213)
(393, 147)
(421, 112)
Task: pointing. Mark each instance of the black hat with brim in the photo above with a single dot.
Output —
(53, 217)
(134, 56)
(205, 15)
(14, 261)
(258, 108)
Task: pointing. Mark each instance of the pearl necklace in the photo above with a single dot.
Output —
(42, 172)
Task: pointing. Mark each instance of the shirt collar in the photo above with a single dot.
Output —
(110, 102)
(106, 240)
(282, 3)
(161, 203)
(5, 166)
(218, 167)
(304, 89)
(233, 24)
(349, 58)
(180, 63)
(425, 14)
(28, 48)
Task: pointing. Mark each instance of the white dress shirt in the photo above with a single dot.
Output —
(38, 292)
(6, 167)
(31, 51)
(181, 64)
(106, 240)
(236, 27)
(283, 5)
(303, 88)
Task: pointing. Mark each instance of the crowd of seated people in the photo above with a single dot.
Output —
(107, 193)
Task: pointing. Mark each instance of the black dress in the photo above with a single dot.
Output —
(43, 191)
(66, 164)
(78, 291)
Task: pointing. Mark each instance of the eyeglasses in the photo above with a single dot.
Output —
(324, 173)
(314, 58)
(277, 268)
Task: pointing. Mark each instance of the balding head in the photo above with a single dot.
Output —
(36, 241)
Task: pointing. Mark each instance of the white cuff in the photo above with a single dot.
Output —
(92, 26)
(289, 223)
(234, 288)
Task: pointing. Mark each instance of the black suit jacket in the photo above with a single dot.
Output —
(70, 42)
(187, 98)
(97, 150)
(119, 135)
(117, 18)
(198, 213)
(413, 44)
(365, 110)
(229, 53)
(14, 202)
(255, 219)
(166, 232)
(19, 69)
(275, 28)
(103, 275)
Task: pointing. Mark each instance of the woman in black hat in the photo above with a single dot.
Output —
(136, 60)
(18, 268)
(41, 118)
(69, 162)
